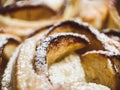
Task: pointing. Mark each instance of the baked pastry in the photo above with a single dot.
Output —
(81, 28)
(40, 74)
(98, 41)
(55, 59)
(57, 53)
(102, 67)
(28, 10)
(101, 41)
(22, 18)
(94, 12)
(114, 34)
(31, 47)
(8, 44)
(55, 5)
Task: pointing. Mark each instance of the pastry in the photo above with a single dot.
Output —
(55, 5)
(102, 67)
(8, 44)
(94, 12)
(114, 15)
(98, 41)
(114, 34)
(55, 59)
(35, 74)
(53, 49)
(22, 18)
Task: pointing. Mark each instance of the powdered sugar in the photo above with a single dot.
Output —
(107, 53)
(3, 40)
(42, 49)
(110, 44)
(88, 86)
(7, 77)
(26, 58)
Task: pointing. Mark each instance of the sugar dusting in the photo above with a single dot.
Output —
(3, 40)
(107, 53)
(26, 76)
(40, 57)
(108, 43)
(88, 86)
(25, 61)
(42, 49)
(7, 76)
(23, 58)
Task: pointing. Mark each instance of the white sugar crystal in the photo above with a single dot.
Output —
(7, 76)
(68, 70)
(42, 49)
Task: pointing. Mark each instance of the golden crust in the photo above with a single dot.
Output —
(25, 76)
(8, 44)
(29, 68)
(102, 68)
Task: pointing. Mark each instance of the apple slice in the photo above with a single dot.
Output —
(24, 19)
(50, 50)
(102, 67)
(80, 28)
(27, 11)
(98, 41)
(55, 5)
(8, 43)
(22, 28)
(58, 45)
(33, 10)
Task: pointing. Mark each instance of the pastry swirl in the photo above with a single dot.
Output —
(39, 59)
(53, 49)
(24, 63)
(22, 18)
(8, 44)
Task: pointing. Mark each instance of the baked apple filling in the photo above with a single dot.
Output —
(67, 70)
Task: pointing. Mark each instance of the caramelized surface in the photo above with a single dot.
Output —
(61, 46)
(72, 26)
(9, 49)
(30, 13)
(99, 69)
(67, 70)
